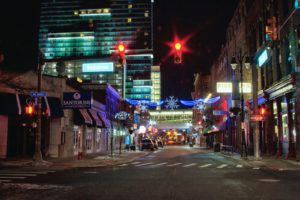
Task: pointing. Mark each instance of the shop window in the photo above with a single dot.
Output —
(89, 141)
(76, 140)
(98, 139)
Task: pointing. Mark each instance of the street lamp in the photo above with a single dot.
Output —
(241, 61)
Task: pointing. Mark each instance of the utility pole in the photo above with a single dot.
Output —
(37, 157)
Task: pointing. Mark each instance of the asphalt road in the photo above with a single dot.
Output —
(171, 173)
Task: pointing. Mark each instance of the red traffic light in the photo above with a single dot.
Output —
(262, 111)
(177, 46)
(121, 48)
(29, 110)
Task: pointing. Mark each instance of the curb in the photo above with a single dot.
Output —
(260, 162)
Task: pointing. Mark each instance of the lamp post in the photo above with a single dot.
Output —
(241, 61)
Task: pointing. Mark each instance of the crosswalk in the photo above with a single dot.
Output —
(14, 175)
(180, 164)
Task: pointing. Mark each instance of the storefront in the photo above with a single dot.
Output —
(18, 129)
(281, 116)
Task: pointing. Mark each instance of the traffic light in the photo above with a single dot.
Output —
(29, 110)
(121, 52)
(271, 29)
(178, 53)
(262, 111)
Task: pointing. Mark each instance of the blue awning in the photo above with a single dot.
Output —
(55, 106)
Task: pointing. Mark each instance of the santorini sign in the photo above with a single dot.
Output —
(78, 100)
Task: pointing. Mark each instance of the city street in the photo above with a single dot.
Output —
(172, 172)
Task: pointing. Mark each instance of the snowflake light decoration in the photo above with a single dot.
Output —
(172, 103)
(143, 106)
(200, 106)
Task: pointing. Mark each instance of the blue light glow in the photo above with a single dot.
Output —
(297, 4)
(195, 102)
(263, 57)
(98, 67)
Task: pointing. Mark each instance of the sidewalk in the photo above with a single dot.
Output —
(88, 160)
(264, 162)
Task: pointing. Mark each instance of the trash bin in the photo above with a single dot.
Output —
(217, 147)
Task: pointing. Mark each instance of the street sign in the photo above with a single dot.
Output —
(38, 94)
(219, 112)
(256, 118)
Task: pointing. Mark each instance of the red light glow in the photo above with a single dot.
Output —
(121, 48)
(29, 110)
(177, 46)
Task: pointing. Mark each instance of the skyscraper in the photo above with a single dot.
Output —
(79, 39)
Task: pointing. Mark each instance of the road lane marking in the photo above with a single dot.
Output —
(5, 180)
(269, 180)
(159, 164)
(90, 172)
(221, 166)
(17, 174)
(144, 164)
(256, 168)
(134, 163)
(206, 165)
(123, 165)
(175, 164)
(12, 177)
(239, 166)
(23, 172)
(189, 165)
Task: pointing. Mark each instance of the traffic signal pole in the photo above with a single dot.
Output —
(37, 157)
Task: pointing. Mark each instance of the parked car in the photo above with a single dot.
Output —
(148, 144)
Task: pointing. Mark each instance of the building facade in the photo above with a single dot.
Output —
(267, 32)
(65, 132)
(80, 38)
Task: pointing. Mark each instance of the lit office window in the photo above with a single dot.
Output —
(129, 20)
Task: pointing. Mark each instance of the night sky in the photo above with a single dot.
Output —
(206, 21)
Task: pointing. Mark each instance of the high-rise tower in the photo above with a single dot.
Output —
(79, 39)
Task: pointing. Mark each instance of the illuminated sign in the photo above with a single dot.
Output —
(297, 4)
(226, 87)
(263, 57)
(98, 67)
(77, 100)
(247, 87)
